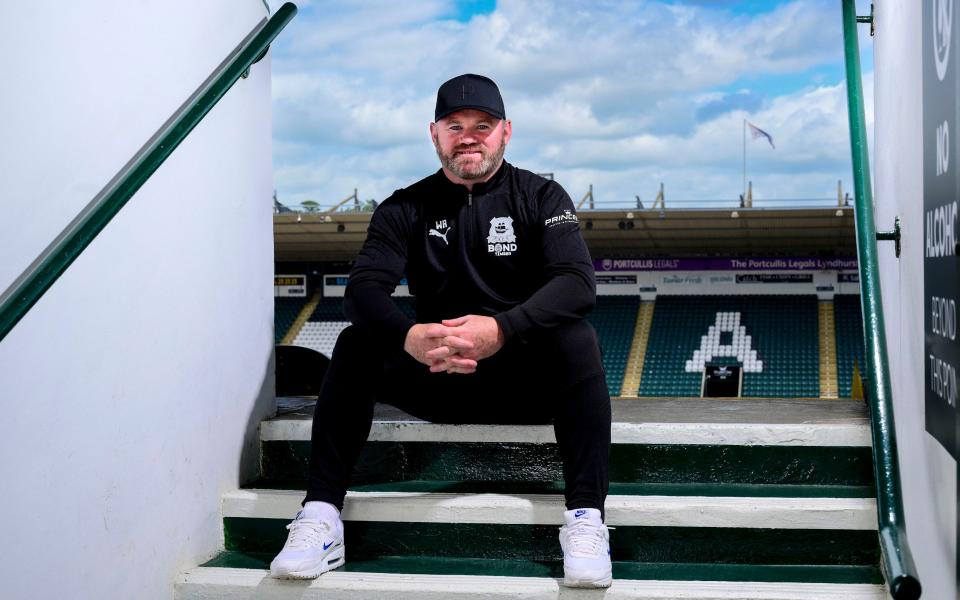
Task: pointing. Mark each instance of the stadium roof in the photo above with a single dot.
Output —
(822, 232)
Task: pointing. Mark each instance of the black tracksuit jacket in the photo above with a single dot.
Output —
(510, 249)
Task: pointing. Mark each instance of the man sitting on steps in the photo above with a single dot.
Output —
(502, 280)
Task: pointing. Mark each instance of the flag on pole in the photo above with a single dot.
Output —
(756, 132)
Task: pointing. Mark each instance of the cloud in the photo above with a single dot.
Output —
(622, 95)
(813, 151)
(719, 104)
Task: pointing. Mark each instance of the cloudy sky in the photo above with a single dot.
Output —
(622, 95)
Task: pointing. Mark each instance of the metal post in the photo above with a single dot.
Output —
(897, 560)
(744, 158)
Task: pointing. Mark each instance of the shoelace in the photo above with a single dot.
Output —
(306, 533)
(586, 538)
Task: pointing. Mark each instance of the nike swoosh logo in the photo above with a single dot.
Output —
(325, 546)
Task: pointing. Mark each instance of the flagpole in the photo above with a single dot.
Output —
(744, 160)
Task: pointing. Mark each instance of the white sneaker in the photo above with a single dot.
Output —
(314, 546)
(586, 549)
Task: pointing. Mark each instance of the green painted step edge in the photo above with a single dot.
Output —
(373, 539)
(382, 462)
(733, 490)
(840, 574)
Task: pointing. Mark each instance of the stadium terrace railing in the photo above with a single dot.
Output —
(30, 286)
(672, 204)
(716, 204)
(896, 558)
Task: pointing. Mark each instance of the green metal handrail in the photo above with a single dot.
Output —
(896, 558)
(28, 288)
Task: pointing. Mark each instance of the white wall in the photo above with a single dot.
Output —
(928, 472)
(130, 394)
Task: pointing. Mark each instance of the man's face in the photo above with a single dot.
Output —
(470, 143)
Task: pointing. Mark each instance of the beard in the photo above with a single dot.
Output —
(467, 169)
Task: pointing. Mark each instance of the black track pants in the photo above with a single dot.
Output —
(556, 375)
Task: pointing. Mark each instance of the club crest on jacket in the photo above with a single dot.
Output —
(501, 241)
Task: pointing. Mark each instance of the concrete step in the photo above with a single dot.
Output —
(710, 500)
(617, 488)
(208, 583)
(741, 422)
(681, 441)
(649, 529)
(547, 509)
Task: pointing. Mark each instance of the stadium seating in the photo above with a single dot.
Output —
(783, 363)
(321, 330)
(285, 313)
(331, 309)
(614, 318)
(320, 335)
(849, 330)
(328, 309)
(782, 330)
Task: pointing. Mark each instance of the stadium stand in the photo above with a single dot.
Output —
(828, 350)
(321, 330)
(849, 329)
(690, 330)
(328, 309)
(320, 335)
(786, 361)
(285, 313)
(638, 352)
(614, 318)
(331, 309)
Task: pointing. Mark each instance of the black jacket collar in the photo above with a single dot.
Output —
(478, 188)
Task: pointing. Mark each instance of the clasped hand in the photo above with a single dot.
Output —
(454, 345)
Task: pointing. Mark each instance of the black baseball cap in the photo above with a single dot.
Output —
(469, 91)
